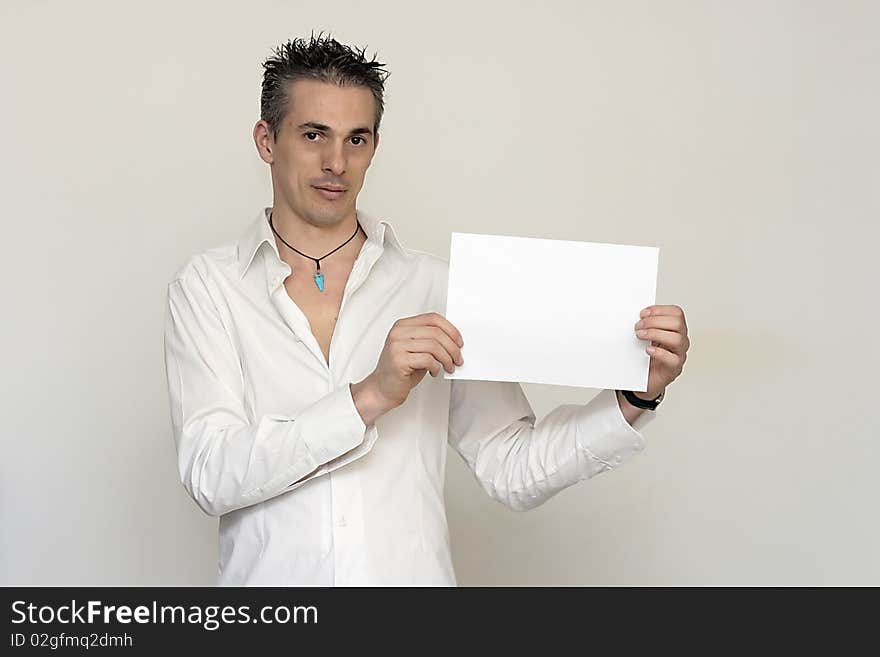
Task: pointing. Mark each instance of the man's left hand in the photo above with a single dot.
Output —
(667, 329)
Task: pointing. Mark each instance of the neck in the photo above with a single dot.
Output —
(313, 239)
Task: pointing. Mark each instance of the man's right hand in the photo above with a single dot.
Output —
(414, 346)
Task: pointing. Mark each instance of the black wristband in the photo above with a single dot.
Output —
(649, 404)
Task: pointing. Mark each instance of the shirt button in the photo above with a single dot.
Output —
(341, 522)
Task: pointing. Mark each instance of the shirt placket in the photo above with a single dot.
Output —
(350, 553)
(347, 517)
(347, 521)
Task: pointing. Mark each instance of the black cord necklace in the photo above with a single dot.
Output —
(319, 277)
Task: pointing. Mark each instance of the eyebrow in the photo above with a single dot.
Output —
(327, 128)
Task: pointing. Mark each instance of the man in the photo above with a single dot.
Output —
(296, 362)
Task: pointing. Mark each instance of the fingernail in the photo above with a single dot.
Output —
(645, 312)
(641, 333)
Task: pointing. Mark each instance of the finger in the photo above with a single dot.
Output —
(431, 347)
(672, 360)
(667, 322)
(434, 333)
(656, 310)
(434, 319)
(659, 309)
(424, 361)
(669, 340)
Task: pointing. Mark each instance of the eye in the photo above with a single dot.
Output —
(362, 140)
(306, 134)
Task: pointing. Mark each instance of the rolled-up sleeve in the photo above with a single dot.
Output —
(523, 464)
(225, 461)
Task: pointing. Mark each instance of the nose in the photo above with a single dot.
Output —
(334, 158)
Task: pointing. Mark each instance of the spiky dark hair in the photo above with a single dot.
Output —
(320, 58)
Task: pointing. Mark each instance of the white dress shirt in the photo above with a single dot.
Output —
(269, 439)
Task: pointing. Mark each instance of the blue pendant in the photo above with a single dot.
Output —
(319, 281)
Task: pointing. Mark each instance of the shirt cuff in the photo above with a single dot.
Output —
(333, 426)
(606, 435)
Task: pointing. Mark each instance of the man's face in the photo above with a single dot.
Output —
(326, 141)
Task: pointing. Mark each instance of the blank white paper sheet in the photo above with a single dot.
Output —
(551, 311)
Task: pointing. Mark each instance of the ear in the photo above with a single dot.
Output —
(264, 141)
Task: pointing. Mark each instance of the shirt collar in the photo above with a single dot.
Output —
(259, 232)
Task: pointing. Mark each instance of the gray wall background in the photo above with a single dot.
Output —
(740, 138)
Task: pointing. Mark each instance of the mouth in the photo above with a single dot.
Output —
(330, 193)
